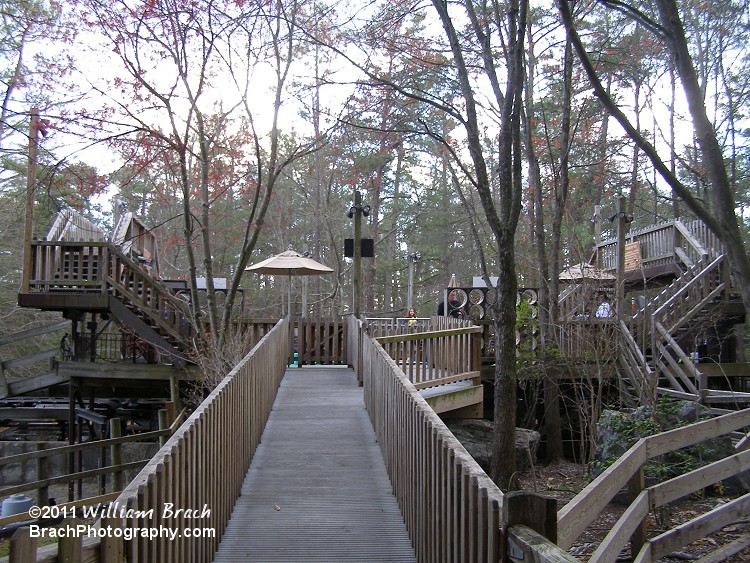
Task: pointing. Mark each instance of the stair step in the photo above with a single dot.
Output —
(717, 396)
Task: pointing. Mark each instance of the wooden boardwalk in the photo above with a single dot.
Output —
(317, 489)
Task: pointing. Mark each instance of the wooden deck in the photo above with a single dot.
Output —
(317, 489)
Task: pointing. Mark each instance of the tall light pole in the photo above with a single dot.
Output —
(413, 258)
(35, 127)
(357, 211)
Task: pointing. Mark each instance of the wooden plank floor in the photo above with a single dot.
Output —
(317, 489)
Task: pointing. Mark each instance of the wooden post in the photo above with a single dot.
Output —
(636, 484)
(360, 337)
(42, 473)
(22, 546)
(69, 546)
(115, 453)
(530, 509)
(71, 468)
(163, 425)
(111, 548)
(3, 381)
(174, 392)
(171, 413)
(357, 276)
(28, 234)
(621, 232)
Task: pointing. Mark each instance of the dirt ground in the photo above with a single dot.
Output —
(564, 480)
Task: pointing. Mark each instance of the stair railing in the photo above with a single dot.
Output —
(686, 299)
(634, 363)
(132, 284)
(665, 244)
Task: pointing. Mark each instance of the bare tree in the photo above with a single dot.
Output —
(718, 212)
(174, 58)
(501, 205)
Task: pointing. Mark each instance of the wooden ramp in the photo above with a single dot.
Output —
(317, 489)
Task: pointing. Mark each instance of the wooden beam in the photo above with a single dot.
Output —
(26, 385)
(726, 551)
(30, 359)
(33, 332)
(472, 375)
(64, 301)
(456, 399)
(124, 370)
(700, 527)
(427, 334)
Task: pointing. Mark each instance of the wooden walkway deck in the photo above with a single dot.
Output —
(317, 489)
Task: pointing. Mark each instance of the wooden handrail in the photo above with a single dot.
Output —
(688, 236)
(576, 515)
(705, 272)
(100, 267)
(98, 444)
(641, 376)
(452, 509)
(430, 358)
(424, 335)
(658, 243)
(167, 305)
(224, 431)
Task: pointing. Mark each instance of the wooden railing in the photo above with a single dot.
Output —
(591, 339)
(40, 362)
(634, 364)
(677, 307)
(99, 267)
(111, 447)
(628, 471)
(573, 301)
(663, 244)
(201, 468)
(319, 341)
(388, 326)
(131, 284)
(453, 511)
(436, 357)
(652, 330)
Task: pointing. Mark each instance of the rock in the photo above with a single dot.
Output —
(618, 431)
(476, 436)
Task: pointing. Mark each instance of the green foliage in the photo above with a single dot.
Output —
(629, 428)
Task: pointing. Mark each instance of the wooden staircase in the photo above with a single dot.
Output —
(658, 349)
(97, 277)
(141, 302)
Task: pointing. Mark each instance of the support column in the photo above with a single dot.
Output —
(357, 276)
(30, 197)
(622, 230)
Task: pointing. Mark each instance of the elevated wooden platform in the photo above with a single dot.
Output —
(317, 489)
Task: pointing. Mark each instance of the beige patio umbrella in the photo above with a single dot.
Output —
(289, 263)
(583, 272)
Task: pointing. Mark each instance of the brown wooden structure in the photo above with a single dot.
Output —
(451, 509)
(680, 331)
(677, 278)
(680, 339)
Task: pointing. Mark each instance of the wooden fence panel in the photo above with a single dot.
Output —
(319, 341)
(222, 432)
(452, 509)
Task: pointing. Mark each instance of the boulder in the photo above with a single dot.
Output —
(476, 436)
(617, 431)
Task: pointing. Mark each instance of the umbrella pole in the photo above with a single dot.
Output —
(289, 299)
